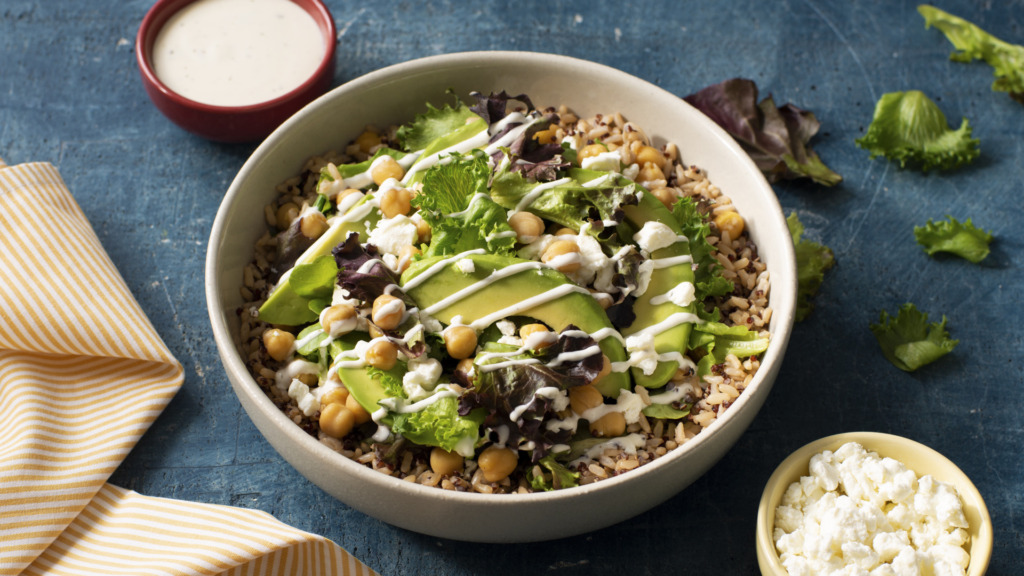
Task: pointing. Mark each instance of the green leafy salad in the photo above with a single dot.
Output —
(504, 301)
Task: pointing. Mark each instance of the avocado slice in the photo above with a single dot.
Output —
(508, 295)
(284, 305)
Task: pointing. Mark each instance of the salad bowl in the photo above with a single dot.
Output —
(395, 95)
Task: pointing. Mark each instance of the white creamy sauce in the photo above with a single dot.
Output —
(237, 52)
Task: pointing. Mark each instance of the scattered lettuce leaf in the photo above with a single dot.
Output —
(432, 125)
(390, 380)
(461, 215)
(708, 279)
(495, 106)
(909, 128)
(973, 43)
(666, 411)
(908, 341)
(440, 424)
(951, 236)
(812, 261)
(775, 137)
(561, 477)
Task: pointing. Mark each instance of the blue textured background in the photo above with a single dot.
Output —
(70, 94)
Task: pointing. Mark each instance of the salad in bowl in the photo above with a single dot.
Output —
(500, 298)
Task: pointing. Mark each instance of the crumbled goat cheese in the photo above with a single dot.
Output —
(392, 234)
(858, 513)
(420, 380)
(642, 353)
(306, 402)
(466, 266)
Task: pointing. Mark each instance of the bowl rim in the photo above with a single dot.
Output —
(163, 10)
(768, 558)
(233, 364)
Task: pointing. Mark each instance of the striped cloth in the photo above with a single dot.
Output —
(72, 341)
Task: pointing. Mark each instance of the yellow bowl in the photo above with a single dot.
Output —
(917, 457)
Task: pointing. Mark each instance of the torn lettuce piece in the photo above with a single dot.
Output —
(775, 137)
(908, 341)
(963, 240)
(561, 477)
(440, 424)
(909, 128)
(973, 43)
(812, 261)
(708, 279)
(461, 214)
(666, 411)
(718, 340)
(433, 125)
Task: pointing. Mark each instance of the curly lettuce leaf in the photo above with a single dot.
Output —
(775, 137)
(390, 380)
(556, 478)
(461, 215)
(963, 240)
(495, 106)
(432, 125)
(812, 261)
(708, 279)
(440, 424)
(908, 341)
(973, 43)
(909, 128)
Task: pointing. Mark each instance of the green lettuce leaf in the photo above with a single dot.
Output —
(460, 213)
(439, 424)
(973, 43)
(666, 411)
(719, 340)
(390, 380)
(775, 137)
(708, 280)
(434, 124)
(908, 341)
(911, 129)
(812, 261)
(951, 236)
(560, 476)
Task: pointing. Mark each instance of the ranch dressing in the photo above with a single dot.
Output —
(237, 52)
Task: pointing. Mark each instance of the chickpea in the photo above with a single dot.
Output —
(497, 463)
(561, 249)
(526, 331)
(338, 319)
(309, 379)
(278, 343)
(337, 396)
(423, 231)
(313, 225)
(466, 368)
(443, 462)
(359, 414)
(286, 214)
(730, 223)
(650, 155)
(589, 151)
(666, 196)
(367, 140)
(606, 369)
(336, 420)
(583, 398)
(405, 256)
(565, 232)
(460, 341)
(608, 426)
(386, 167)
(527, 226)
(650, 173)
(344, 194)
(395, 201)
(387, 312)
(382, 354)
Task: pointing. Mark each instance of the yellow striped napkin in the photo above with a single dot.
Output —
(83, 374)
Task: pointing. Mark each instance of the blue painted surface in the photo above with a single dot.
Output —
(70, 94)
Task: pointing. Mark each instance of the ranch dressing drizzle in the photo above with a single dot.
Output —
(526, 304)
(537, 191)
(478, 140)
(481, 284)
(364, 179)
(436, 268)
(237, 52)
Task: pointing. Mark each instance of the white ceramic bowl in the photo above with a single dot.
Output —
(394, 95)
(915, 456)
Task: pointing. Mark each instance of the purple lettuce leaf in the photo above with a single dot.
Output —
(775, 137)
(494, 107)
